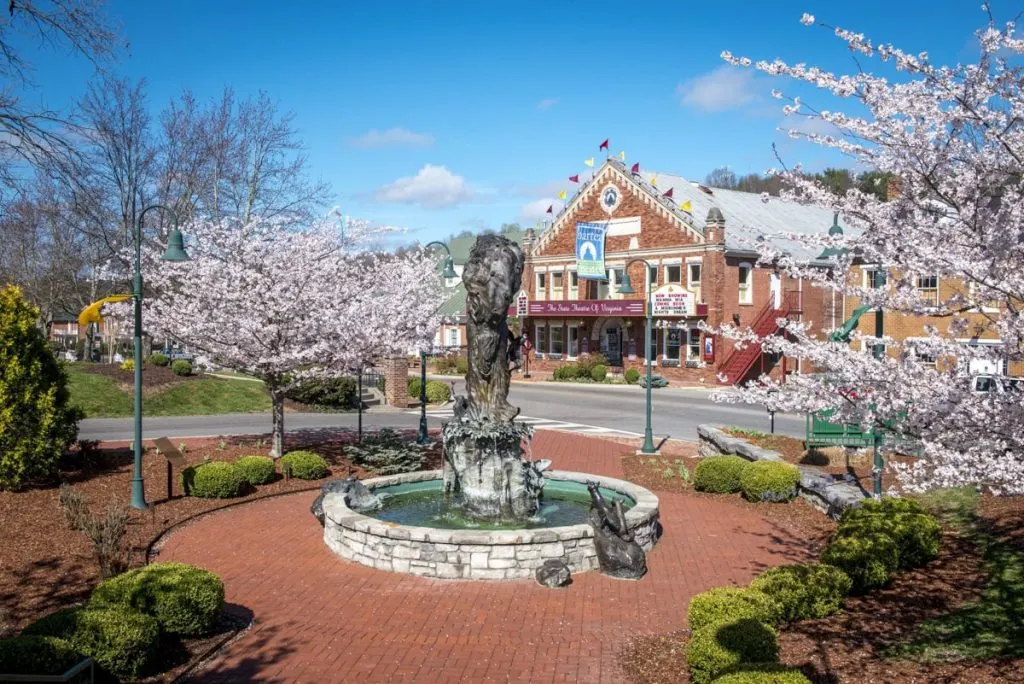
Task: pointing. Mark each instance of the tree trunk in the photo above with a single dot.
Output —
(277, 433)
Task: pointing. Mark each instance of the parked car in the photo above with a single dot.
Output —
(1000, 384)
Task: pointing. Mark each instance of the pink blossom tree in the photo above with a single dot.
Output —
(285, 305)
(953, 137)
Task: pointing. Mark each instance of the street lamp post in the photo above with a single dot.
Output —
(175, 252)
(627, 288)
(448, 272)
(877, 282)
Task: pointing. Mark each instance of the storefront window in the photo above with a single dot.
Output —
(557, 339)
(673, 337)
(541, 343)
(694, 344)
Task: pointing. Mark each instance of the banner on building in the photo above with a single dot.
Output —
(590, 250)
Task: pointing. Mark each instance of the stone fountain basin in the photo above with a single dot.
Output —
(477, 554)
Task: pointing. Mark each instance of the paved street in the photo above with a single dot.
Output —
(613, 409)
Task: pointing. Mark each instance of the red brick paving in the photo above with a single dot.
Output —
(319, 618)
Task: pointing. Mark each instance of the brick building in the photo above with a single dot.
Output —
(701, 269)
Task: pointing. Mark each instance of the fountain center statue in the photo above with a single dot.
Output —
(484, 468)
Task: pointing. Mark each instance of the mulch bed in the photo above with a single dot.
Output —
(847, 647)
(45, 566)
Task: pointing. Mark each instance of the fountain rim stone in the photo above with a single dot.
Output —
(340, 514)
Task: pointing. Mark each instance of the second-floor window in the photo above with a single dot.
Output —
(574, 285)
(542, 281)
(745, 278)
(674, 274)
(556, 285)
(693, 273)
(928, 288)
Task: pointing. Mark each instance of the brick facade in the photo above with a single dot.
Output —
(396, 381)
(665, 238)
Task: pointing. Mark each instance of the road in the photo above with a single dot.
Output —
(611, 409)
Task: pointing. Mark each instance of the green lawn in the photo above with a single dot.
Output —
(100, 397)
(992, 627)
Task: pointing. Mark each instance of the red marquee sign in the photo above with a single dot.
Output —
(604, 307)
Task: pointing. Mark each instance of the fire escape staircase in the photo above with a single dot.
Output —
(738, 365)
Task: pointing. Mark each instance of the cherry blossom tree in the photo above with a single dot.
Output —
(285, 305)
(953, 136)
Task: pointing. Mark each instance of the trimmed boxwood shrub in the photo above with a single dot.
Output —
(256, 470)
(599, 372)
(632, 375)
(716, 649)
(869, 560)
(37, 655)
(763, 673)
(184, 599)
(719, 474)
(305, 465)
(181, 367)
(123, 641)
(568, 371)
(769, 481)
(438, 392)
(414, 388)
(804, 592)
(888, 505)
(728, 604)
(213, 480)
(158, 359)
(918, 536)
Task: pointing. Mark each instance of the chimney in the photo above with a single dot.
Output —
(529, 239)
(714, 227)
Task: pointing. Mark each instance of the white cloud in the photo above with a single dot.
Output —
(392, 137)
(537, 210)
(726, 87)
(433, 187)
(547, 103)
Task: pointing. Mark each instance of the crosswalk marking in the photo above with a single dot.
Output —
(540, 423)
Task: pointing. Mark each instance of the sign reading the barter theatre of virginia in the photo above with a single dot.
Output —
(599, 307)
(590, 250)
(672, 300)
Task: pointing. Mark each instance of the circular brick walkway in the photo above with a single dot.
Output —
(321, 619)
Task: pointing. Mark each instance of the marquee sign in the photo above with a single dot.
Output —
(672, 300)
(602, 307)
(522, 304)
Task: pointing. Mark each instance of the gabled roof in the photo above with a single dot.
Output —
(455, 304)
(746, 215)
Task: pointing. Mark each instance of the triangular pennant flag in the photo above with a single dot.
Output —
(686, 206)
(654, 181)
(589, 162)
(561, 195)
(604, 145)
(574, 179)
(551, 209)
(636, 168)
(668, 193)
(622, 155)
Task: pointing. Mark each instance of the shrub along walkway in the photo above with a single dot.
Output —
(321, 619)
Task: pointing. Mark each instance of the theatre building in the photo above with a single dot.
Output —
(698, 263)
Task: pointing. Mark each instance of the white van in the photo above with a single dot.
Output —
(1001, 384)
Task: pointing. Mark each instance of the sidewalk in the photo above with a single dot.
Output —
(544, 378)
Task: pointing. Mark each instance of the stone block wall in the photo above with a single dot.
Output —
(475, 554)
(818, 488)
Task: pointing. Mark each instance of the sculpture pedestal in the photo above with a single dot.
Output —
(485, 471)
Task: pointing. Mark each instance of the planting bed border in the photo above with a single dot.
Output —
(821, 490)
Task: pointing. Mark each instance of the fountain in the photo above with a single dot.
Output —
(491, 512)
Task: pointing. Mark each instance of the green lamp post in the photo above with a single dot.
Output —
(175, 252)
(627, 288)
(878, 282)
(447, 272)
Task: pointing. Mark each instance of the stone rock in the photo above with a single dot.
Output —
(553, 574)
(357, 497)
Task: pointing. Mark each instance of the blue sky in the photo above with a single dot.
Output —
(445, 115)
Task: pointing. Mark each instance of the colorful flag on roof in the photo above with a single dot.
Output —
(561, 195)
(589, 162)
(686, 206)
(654, 181)
(551, 208)
(574, 179)
(622, 155)
(636, 168)
(604, 145)
(668, 193)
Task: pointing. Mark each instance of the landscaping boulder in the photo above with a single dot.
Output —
(554, 574)
(357, 496)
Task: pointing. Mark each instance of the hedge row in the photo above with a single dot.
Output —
(758, 480)
(438, 392)
(123, 626)
(224, 480)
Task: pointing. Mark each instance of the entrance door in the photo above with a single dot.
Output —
(612, 344)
